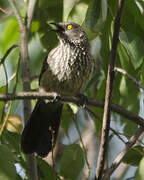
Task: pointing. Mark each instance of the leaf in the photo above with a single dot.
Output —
(140, 171)
(96, 15)
(124, 58)
(7, 168)
(134, 46)
(66, 117)
(75, 14)
(129, 97)
(45, 170)
(73, 158)
(12, 140)
(35, 26)
(97, 119)
(134, 156)
(14, 123)
(104, 9)
(47, 11)
(74, 108)
(9, 33)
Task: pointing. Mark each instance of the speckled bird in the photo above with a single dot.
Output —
(66, 71)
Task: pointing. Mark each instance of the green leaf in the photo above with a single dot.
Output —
(96, 15)
(72, 162)
(124, 58)
(97, 119)
(18, 177)
(104, 9)
(134, 156)
(129, 99)
(45, 170)
(35, 26)
(140, 171)
(66, 117)
(9, 33)
(134, 46)
(78, 12)
(47, 11)
(12, 140)
(7, 168)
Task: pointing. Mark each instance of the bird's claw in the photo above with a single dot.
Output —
(56, 97)
(83, 100)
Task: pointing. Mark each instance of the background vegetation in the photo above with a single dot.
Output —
(75, 156)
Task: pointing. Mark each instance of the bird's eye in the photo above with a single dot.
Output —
(69, 27)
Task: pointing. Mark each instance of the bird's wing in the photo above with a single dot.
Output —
(44, 68)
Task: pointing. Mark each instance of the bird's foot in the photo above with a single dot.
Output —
(56, 97)
(83, 100)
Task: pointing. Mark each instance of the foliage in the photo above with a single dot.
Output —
(97, 19)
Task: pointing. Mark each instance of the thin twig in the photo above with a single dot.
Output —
(83, 146)
(114, 131)
(6, 77)
(92, 102)
(117, 134)
(122, 154)
(109, 89)
(17, 14)
(122, 71)
(4, 10)
(139, 141)
(2, 60)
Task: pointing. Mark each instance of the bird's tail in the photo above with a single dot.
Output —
(41, 130)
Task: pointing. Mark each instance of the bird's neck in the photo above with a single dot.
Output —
(84, 46)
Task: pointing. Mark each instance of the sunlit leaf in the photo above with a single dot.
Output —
(14, 123)
(9, 33)
(140, 171)
(35, 26)
(75, 14)
(74, 108)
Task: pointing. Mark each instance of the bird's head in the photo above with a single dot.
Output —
(70, 32)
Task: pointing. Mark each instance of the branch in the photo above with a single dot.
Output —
(92, 102)
(109, 88)
(17, 14)
(116, 69)
(30, 11)
(97, 117)
(122, 154)
(25, 80)
(3, 10)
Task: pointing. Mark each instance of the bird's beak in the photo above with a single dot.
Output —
(57, 27)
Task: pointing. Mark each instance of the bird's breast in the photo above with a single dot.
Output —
(69, 70)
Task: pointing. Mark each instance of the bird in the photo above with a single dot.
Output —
(66, 70)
